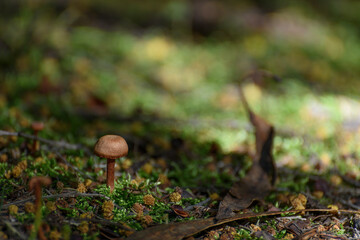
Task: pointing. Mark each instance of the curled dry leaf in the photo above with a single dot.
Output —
(180, 211)
(256, 185)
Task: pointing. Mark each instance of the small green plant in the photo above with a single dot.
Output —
(341, 231)
(83, 203)
(243, 234)
(280, 234)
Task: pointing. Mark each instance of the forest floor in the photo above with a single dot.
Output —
(214, 153)
(174, 176)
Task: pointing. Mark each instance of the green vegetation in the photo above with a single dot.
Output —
(171, 89)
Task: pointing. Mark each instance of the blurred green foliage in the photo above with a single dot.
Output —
(183, 60)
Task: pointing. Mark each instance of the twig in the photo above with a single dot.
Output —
(75, 169)
(349, 204)
(77, 194)
(329, 236)
(68, 194)
(291, 218)
(102, 221)
(20, 202)
(15, 185)
(14, 230)
(349, 180)
(58, 144)
(102, 232)
(202, 203)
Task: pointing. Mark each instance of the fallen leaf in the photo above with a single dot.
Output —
(264, 135)
(173, 230)
(297, 227)
(256, 185)
(180, 230)
(180, 211)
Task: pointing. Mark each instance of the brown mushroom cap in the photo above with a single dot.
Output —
(111, 147)
(37, 126)
(43, 181)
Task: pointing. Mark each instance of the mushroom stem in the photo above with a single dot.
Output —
(110, 173)
(111, 147)
(36, 184)
(41, 234)
(38, 196)
(34, 141)
(36, 127)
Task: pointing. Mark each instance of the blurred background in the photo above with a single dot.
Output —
(180, 64)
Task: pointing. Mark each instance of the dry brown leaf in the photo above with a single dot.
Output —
(180, 230)
(180, 211)
(258, 182)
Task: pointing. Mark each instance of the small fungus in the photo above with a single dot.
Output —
(111, 147)
(36, 127)
(36, 184)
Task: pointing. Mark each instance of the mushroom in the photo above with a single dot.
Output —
(36, 127)
(111, 147)
(35, 184)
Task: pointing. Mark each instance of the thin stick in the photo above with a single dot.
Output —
(258, 73)
(68, 194)
(14, 230)
(58, 144)
(267, 214)
(75, 169)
